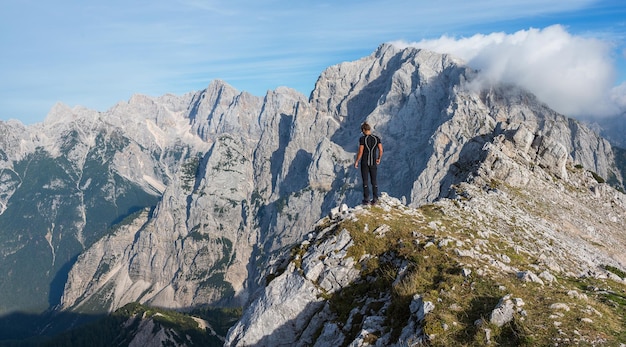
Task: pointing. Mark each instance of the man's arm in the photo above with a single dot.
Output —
(358, 156)
(380, 153)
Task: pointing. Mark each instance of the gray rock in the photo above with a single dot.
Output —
(282, 311)
(529, 276)
(421, 308)
(504, 311)
(269, 167)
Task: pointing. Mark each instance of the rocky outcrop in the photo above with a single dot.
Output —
(433, 120)
(511, 220)
(277, 164)
(521, 204)
(238, 179)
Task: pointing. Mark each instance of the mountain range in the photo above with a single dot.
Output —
(217, 198)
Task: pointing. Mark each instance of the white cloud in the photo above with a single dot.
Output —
(574, 75)
(618, 95)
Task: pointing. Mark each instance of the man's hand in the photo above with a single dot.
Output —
(356, 164)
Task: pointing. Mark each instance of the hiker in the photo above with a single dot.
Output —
(370, 153)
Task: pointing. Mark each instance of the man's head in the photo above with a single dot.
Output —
(365, 127)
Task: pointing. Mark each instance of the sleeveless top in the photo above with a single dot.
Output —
(370, 149)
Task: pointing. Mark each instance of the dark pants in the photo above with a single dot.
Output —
(367, 173)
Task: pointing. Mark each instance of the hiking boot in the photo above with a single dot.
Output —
(374, 202)
(365, 202)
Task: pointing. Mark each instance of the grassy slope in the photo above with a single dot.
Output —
(434, 242)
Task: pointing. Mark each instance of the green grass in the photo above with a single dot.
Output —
(615, 270)
(435, 274)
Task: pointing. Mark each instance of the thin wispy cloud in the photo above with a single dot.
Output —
(97, 54)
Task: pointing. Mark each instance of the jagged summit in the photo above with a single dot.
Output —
(186, 201)
(501, 262)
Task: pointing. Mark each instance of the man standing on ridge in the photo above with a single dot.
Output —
(370, 153)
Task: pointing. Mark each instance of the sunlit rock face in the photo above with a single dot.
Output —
(181, 201)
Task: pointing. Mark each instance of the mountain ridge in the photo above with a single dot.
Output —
(364, 276)
(227, 182)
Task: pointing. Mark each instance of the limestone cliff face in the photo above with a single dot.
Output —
(241, 179)
(67, 181)
(431, 115)
(277, 164)
(525, 228)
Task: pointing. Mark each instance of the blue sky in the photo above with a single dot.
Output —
(95, 54)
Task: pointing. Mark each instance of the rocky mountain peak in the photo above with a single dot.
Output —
(502, 257)
(186, 201)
